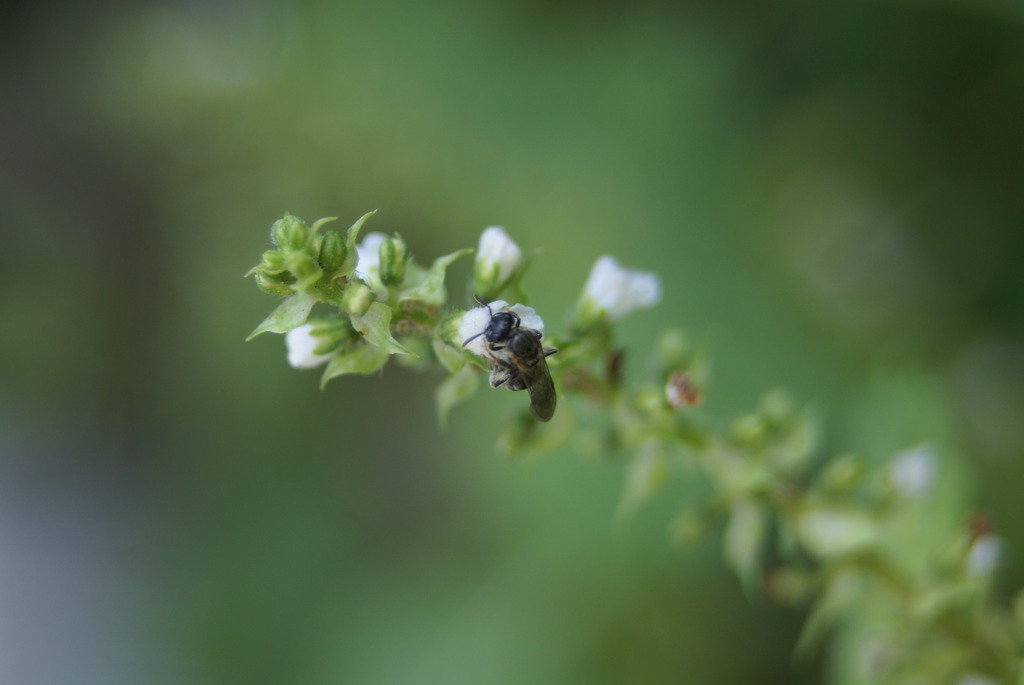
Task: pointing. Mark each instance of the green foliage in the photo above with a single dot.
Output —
(828, 534)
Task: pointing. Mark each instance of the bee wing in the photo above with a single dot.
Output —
(520, 365)
(533, 367)
(542, 392)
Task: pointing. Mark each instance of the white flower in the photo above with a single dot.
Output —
(618, 291)
(301, 344)
(368, 252)
(983, 555)
(913, 472)
(475, 322)
(497, 253)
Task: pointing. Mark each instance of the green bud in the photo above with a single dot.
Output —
(289, 233)
(332, 252)
(304, 267)
(335, 332)
(387, 258)
(268, 284)
(357, 299)
(283, 276)
(394, 253)
(272, 261)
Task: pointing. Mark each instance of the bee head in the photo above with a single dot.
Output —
(502, 326)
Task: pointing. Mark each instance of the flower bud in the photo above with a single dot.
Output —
(497, 258)
(272, 261)
(332, 252)
(272, 284)
(393, 254)
(357, 299)
(289, 233)
(304, 267)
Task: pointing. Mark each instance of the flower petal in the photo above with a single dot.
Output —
(617, 291)
(301, 344)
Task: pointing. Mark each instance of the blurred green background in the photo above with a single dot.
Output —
(832, 195)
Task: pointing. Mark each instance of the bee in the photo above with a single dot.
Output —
(517, 360)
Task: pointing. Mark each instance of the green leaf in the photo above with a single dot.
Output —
(843, 591)
(320, 222)
(451, 358)
(647, 473)
(375, 325)
(351, 236)
(290, 313)
(455, 390)
(431, 289)
(361, 359)
(744, 542)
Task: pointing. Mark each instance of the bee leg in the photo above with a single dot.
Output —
(500, 377)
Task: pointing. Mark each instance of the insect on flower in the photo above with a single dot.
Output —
(517, 359)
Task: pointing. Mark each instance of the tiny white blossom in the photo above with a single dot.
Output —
(301, 344)
(913, 472)
(475, 322)
(617, 291)
(368, 252)
(984, 555)
(496, 249)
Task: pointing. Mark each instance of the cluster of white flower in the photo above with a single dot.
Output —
(611, 292)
